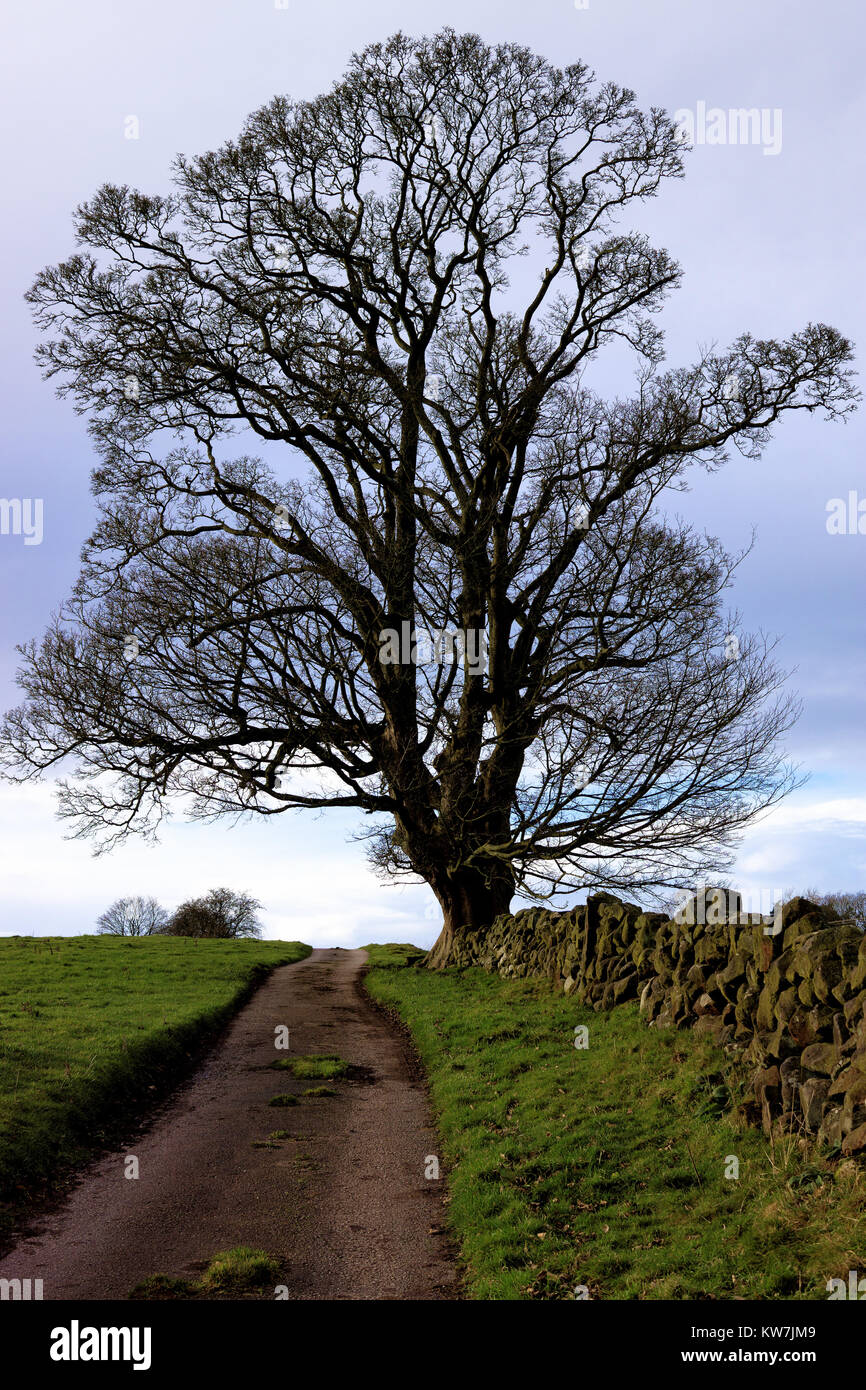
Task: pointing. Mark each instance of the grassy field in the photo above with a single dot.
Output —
(603, 1169)
(93, 1029)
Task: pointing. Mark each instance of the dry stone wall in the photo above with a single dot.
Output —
(787, 996)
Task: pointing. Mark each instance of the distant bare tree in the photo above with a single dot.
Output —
(220, 913)
(135, 916)
(399, 287)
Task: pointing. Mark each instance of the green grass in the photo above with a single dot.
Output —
(313, 1067)
(605, 1167)
(158, 1287)
(242, 1268)
(285, 1099)
(317, 1091)
(239, 1271)
(92, 1031)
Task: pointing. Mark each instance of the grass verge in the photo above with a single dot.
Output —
(604, 1168)
(94, 1029)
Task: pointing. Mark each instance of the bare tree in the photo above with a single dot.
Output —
(345, 282)
(220, 913)
(135, 916)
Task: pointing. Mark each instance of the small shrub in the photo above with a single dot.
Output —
(221, 914)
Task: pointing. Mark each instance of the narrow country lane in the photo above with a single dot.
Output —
(344, 1203)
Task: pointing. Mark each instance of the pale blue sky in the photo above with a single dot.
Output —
(767, 242)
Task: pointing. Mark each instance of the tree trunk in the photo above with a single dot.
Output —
(470, 903)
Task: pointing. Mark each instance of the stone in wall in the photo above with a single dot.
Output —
(786, 995)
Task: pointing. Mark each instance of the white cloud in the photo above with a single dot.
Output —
(805, 843)
(314, 886)
(850, 810)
